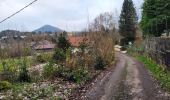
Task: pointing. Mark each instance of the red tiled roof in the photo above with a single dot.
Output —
(76, 40)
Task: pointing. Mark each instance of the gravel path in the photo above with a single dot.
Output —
(129, 80)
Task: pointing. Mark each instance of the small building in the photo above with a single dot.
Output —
(4, 37)
(23, 37)
(77, 40)
(44, 46)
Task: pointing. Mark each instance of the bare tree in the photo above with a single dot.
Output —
(103, 22)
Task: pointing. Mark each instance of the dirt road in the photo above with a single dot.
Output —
(129, 80)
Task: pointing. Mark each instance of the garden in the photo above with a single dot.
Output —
(58, 74)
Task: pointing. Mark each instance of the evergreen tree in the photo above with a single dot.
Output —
(155, 17)
(23, 74)
(128, 22)
(62, 47)
(63, 43)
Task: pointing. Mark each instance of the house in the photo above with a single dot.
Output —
(43, 46)
(4, 37)
(77, 40)
(23, 37)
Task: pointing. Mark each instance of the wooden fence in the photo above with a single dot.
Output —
(159, 50)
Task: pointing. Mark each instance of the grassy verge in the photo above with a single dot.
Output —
(14, 63)
(159, 72)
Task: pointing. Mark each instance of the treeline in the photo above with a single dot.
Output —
(155, 17)
(155, 20)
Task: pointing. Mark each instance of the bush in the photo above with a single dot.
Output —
(63, 43)
(4, 85)
(79, 75)
(48, 70)
(35, 75)
(7, 73)
(23, 74)
(59, 55)
(75, 75)
(99, 63)
(42, 58)
(68, 56)
(5, 66)
(62, 71)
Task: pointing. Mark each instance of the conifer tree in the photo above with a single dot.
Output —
(128, 22)
(155, 17)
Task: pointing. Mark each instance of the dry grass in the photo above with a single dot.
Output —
(102, 44)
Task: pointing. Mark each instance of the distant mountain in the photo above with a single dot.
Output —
(48, 29)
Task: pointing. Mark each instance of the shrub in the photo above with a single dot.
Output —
(75, 75)
(99, 63)
(62, 71)
(63, 43)
(40, 59)
(81, 62)
(48, 70)
(4, 85)
(23, 74)
(45, 57)
(5, 66)
(83, 47)
(35, 75)
(79, 75)
(59, 55)
(59, 98)
(68, 56)
(8, 72)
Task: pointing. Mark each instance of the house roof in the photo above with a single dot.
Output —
(76, 40)
(44, 45)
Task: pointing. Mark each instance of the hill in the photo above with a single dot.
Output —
(10, 33)
(48, 29)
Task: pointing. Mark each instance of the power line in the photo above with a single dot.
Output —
(18, 11)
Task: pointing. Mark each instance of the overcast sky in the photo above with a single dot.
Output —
(70, 15)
